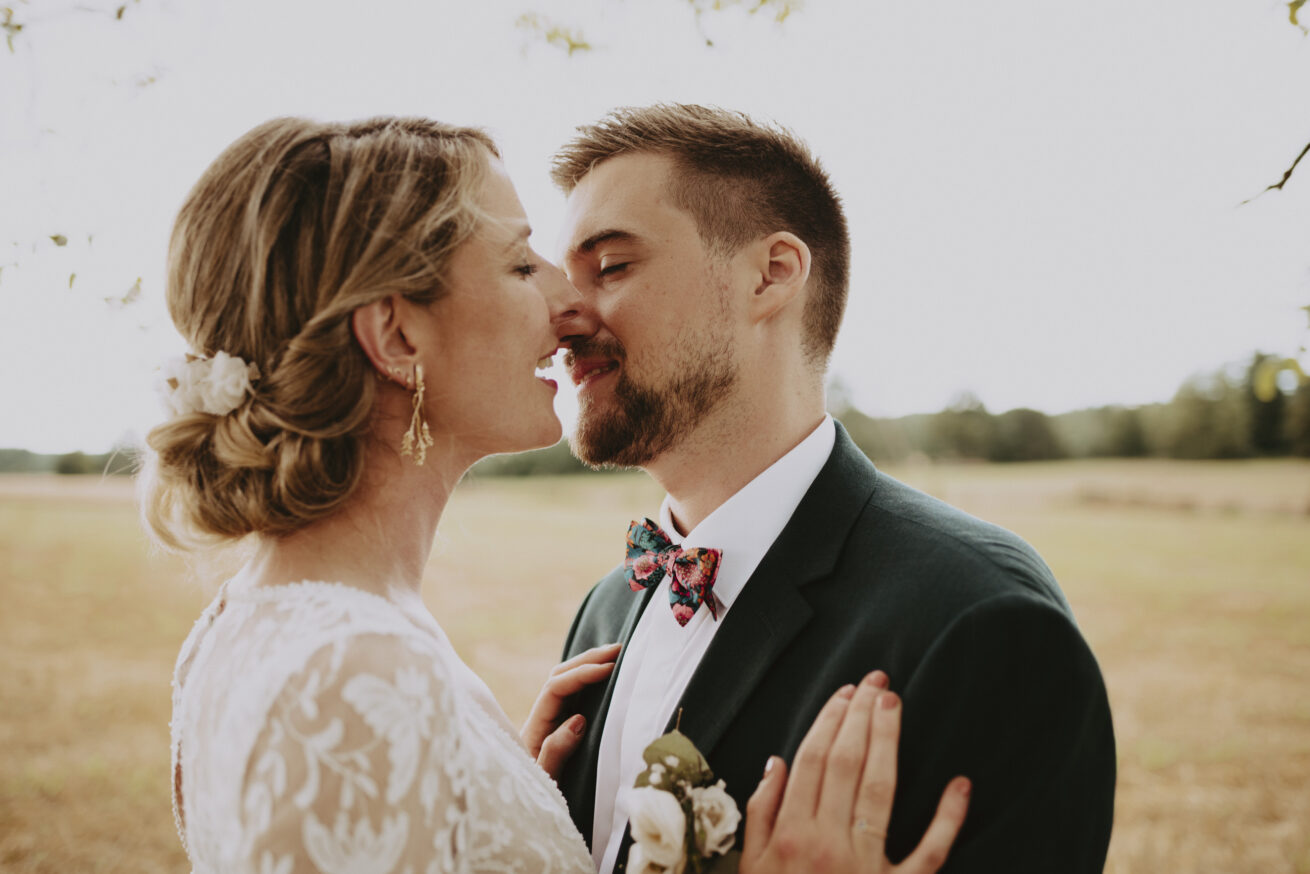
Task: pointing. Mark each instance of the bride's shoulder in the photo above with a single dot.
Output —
(259, 648)
(380, 678)
(311, 613)
(309, 693)
(336, 626)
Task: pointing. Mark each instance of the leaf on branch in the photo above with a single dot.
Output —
(60, 239)
(566, 38)
(11, 27)
(1294, 9)
(118, 16)
(132, 294)
(782, 9)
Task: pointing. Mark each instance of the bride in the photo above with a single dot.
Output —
(366, 316)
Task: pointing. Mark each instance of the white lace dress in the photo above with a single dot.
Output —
(317, 727)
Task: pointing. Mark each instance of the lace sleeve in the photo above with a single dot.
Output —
(358, 767)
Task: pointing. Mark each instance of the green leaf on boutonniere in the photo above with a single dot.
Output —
(728, 863)
(678, 761)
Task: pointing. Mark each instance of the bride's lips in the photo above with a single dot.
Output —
(546, 362)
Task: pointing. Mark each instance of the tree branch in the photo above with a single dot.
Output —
(1287, 174)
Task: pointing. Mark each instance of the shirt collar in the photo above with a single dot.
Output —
(745, 525)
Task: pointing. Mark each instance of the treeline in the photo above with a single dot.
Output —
(1216, 415)
(120, 462)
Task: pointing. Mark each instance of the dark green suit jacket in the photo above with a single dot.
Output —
(998, 683)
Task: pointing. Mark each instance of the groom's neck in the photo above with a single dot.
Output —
(727, 451)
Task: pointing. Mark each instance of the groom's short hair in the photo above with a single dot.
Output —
(740, 180)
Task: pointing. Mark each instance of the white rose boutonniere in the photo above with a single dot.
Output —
(659, 828)
(683, 821)
(717, 818)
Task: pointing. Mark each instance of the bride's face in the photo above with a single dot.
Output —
(504, 313)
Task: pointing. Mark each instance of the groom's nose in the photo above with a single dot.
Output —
(570, 314)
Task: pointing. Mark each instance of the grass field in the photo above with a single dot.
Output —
(1191, 581)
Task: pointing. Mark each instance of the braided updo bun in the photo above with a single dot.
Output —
(296, 225)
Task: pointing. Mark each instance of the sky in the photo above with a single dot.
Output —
(1044, 198)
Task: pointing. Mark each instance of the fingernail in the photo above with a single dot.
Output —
(577, 724)
(888, 700)
(965, 787)
(769, 763)
(878, 680)
(846, 691)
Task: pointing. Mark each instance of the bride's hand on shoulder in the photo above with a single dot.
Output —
(548, 740)
(831, 812)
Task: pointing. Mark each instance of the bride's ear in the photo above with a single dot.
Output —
(379, 328)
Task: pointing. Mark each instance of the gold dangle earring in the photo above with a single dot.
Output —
(418, 438)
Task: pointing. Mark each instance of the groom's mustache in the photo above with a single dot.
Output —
(591, 347)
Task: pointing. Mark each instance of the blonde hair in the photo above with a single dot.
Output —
(296, 225)
(740, 180)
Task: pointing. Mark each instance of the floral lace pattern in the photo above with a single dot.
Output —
(318, 727)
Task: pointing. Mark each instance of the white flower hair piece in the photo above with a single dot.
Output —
(216, 386)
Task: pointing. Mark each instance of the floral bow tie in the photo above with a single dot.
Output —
(651, 555)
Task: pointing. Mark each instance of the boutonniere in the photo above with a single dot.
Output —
(683, 820)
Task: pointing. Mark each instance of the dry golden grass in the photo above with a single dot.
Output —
(1192, 582)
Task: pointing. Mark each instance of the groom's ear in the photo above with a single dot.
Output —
(782, 261)
(379, 328)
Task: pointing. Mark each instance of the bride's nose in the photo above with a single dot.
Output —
(569, 313)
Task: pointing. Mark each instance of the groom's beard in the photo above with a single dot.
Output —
(644, 421)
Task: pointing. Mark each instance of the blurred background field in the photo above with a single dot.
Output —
(1191, 580)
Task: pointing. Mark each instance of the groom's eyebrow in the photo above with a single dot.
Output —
(609, 235)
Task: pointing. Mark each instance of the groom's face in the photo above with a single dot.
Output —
(662, 356)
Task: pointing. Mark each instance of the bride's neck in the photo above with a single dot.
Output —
(378, 541)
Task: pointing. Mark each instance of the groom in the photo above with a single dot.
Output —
(712, 256)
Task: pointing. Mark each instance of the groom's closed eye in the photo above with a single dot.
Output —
(594, 256)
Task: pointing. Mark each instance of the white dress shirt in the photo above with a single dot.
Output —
(662, 655)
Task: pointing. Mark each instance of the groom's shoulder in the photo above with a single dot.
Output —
(600, 617)
(909, 538)
(610, 591)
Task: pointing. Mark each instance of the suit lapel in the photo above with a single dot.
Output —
(770, 610)
(754, 633)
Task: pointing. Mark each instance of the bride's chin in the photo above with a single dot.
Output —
(542, 437)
